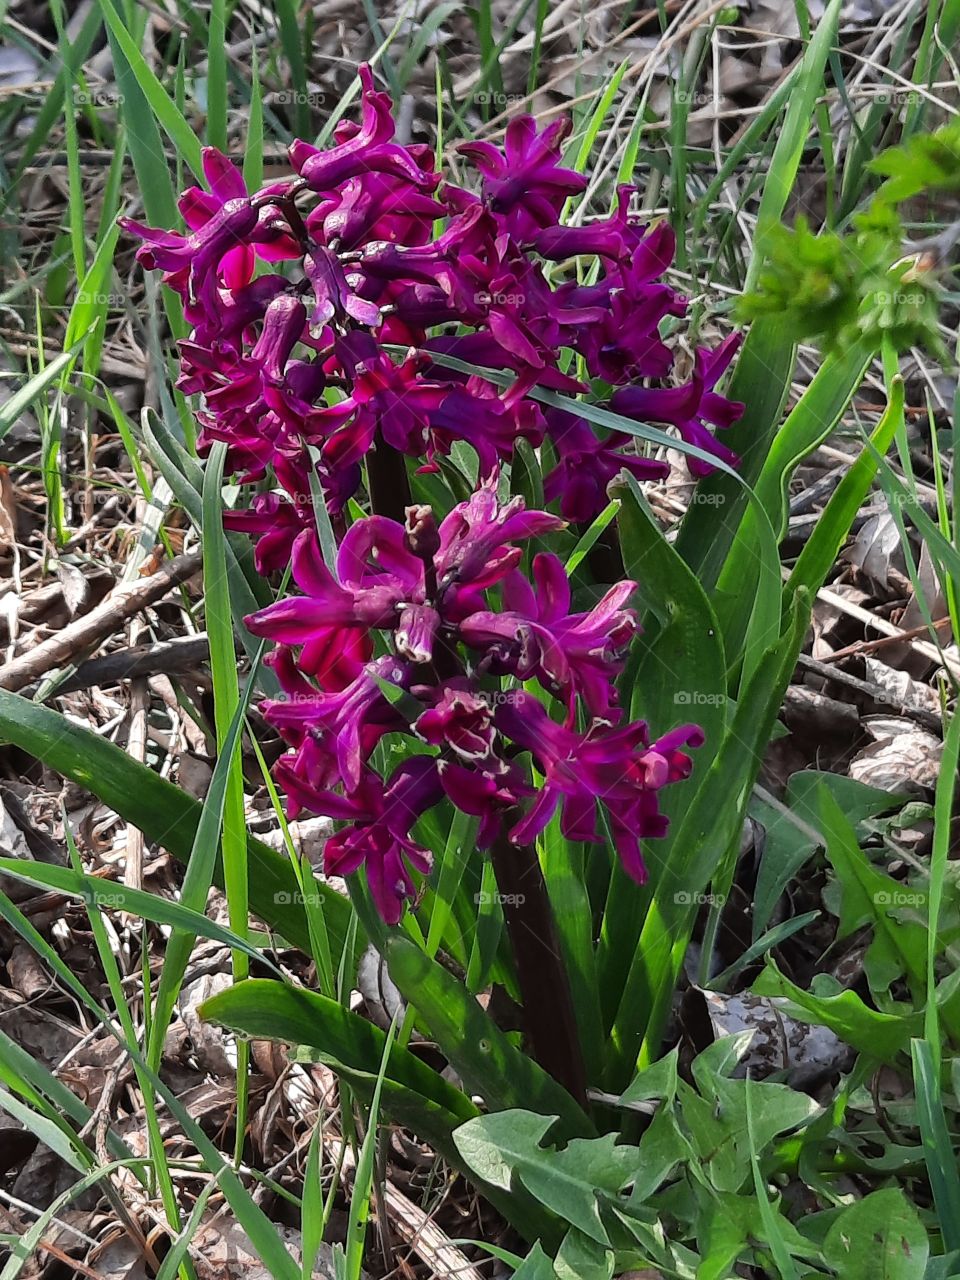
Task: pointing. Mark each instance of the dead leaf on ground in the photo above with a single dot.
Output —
(903, 757)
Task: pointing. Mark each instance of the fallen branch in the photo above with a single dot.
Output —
(165, 657)
(93, 628)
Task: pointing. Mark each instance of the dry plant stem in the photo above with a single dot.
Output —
(167, 657)
(93, 628)
(548, 1015)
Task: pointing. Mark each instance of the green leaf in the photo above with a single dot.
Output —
(482, 1055)
(164, 814)
(177, 129)
(792, 830)
(821, 550)
(761, 380)
(878, 1238)
(727, 1143)
(879, 1036)
(33, 388)
(109, 895)
(938, 1142)
(701, 845)
(868, 896)
(806, 427)
(569, 1182)
(927, 162)
(682, 669)
(535, 1266)
(413, 1092)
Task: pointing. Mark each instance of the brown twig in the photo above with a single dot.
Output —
(166, 657)
(869, 646)
(93, 628)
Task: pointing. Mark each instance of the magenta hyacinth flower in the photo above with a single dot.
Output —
(381, 816)
(572, 655)
(424, 319)
(525, 182)
(689, 407)
(425, 589)
(616, 766)
(289, 366)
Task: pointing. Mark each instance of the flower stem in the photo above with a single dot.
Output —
(387, 477)
(548, 1015)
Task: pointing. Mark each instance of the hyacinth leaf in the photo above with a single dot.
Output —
(699, 845)
(681, 673)
(265, 1009)
(678, 674)
(89, 309)
(761, 381)
(564, 865)
(821, 549)
(165, 814)
(478, 1050)
(229, 711)
(594, 413)
(413, 1094)
(806, 427)
(810, 423)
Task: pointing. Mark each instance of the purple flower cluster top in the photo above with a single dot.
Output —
(418, 595)
(298, 367)
(325, 311)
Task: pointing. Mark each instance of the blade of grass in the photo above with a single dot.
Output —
(164, 109)
(260, 1230)
(217, 75)
(792, 138)
(227, 710)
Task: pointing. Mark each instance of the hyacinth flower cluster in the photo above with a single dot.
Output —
(365, 307)
(407, 635)
(322, 305)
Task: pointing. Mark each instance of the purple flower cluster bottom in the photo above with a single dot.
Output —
(325, 310)
(420, 593)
